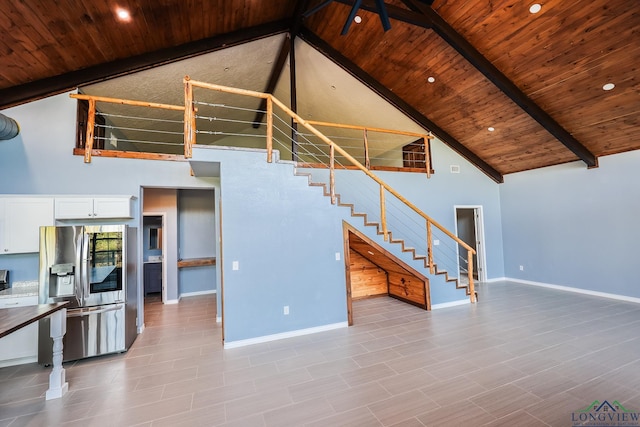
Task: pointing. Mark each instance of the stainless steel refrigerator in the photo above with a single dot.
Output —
(94, 268)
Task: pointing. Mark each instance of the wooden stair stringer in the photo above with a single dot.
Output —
(391, 240)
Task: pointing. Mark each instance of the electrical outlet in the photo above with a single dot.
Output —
(235, 265)
(337, 256)
(286, 310)
(436, 242)
(522, 268)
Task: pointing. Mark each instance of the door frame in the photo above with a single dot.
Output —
(479, 246)
(163, 215)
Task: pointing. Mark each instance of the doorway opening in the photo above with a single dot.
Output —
(153, 241)
(470, 229)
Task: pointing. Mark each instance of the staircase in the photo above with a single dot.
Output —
(424, 259)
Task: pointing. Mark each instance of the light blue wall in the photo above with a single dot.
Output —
(197, 234)
(570, 226)
(284, 237)
(197, 239)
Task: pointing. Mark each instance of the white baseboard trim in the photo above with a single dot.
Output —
(290, 334)
(18, 361)
(496, 279)
(450, 304)
(196, 293)
(577, 290)
(172, 301)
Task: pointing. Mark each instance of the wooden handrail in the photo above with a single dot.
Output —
(330, 143)
(126, 102)
(308, 124)
(426, 138)
(368, 128)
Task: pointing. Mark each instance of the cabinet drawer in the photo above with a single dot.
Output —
(18, 301)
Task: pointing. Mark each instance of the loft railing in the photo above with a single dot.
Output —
(385, 203)
(131, 124)
(334, 151)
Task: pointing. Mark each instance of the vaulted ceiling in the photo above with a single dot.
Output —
(455, 68)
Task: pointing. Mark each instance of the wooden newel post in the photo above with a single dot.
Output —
(332, 173)
(91, 122)
(383, 214)
(269, 129)
(472, 289)
(367, 161)
(430, 248)
(427, 159)
(189, 118)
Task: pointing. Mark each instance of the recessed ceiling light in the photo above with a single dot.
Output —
(123, 14)
(491, 128)
(431, 79)
(535, 8)
(608, 86)
(357, 19)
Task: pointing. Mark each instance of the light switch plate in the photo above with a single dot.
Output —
(235, 265)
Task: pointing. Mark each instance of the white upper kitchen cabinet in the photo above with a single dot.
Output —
(20, 221)
(93, 207)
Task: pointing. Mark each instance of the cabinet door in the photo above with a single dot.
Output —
(22, 220)
(21, 346)
(74, 208)
(112, 207)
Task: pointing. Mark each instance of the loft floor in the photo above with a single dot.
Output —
(522, 356)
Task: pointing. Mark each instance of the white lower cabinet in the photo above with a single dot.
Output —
(20, 346)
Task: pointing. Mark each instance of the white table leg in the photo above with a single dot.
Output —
(58, 385)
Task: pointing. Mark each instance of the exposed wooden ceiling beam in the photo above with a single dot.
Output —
(278, 66)
(491, 72)
(398, 102)
(40, 88)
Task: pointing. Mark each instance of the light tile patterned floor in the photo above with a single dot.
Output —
(522, 356)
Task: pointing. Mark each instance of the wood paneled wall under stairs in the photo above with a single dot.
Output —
(369, 279)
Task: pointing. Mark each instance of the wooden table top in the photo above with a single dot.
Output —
(12, 319)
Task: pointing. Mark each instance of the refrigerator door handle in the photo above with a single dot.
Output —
(86, 267)
(81, 312)
(78, 291)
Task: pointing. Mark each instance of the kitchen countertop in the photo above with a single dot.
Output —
(21, 289)
(12, 319)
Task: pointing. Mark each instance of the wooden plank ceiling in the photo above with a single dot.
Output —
(535, 78)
